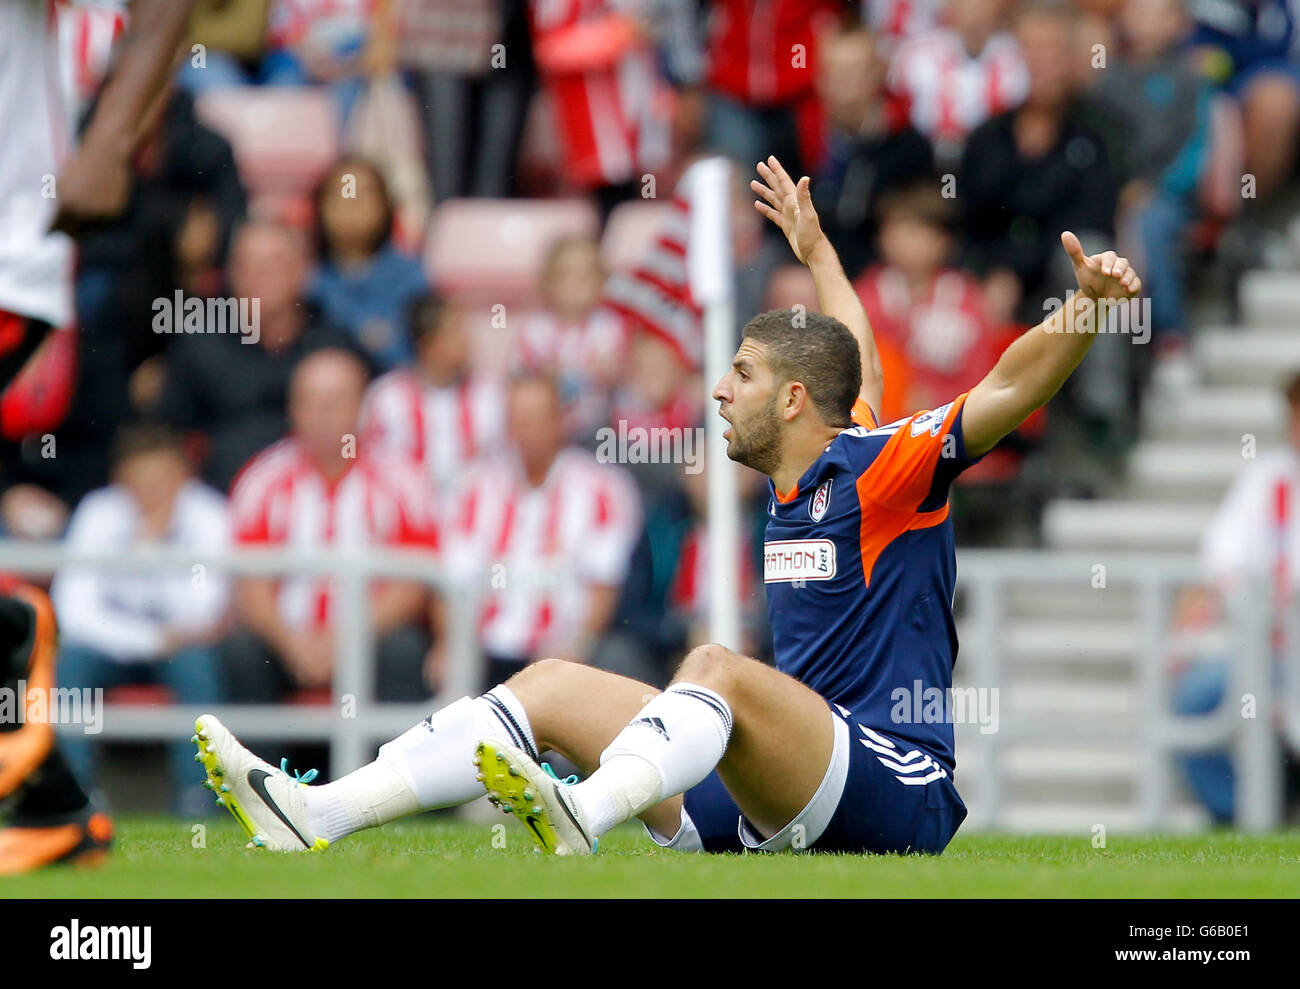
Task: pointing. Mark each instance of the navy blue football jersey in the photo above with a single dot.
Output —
(859, 567)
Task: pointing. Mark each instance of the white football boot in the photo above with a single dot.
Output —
(536, 796)
(267, 802)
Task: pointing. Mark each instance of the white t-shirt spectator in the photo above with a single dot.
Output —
(281, 499)
(127, 614)
(533, 553)
(1258, 520)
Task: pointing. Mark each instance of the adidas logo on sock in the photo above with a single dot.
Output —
(654, 723)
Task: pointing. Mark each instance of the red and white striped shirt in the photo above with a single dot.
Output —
(610, 103)
(444, 430)
(534, 552)
(894, 20)
(87, 34)
(951, 92)
(280, 498)
(689, 590)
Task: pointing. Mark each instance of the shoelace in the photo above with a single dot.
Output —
(568, 780)
(306, 777)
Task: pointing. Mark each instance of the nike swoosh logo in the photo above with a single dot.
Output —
(532, 824)
(257, 780)
(559, 799)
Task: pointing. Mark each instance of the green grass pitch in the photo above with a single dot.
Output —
(155, 857)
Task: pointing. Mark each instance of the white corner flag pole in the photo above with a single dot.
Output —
(709, 268)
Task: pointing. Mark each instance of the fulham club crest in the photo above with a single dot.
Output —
(819, 502)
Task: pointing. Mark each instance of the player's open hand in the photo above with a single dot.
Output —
(1101, 276)
(789, 206)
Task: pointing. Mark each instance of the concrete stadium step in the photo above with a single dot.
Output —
(1184, 471)
(1111, 707)
(1071, 763)
(1032, 642)
(1266, 357)
(1269, 298)
(1216, 413)
(1079, 818)
(1124, 524)
(1062, 600)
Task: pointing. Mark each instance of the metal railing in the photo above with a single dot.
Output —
(988, 577)
(353, 724)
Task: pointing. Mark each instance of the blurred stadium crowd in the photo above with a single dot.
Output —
(433, 203)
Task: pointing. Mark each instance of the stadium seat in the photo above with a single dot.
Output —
(284, 137)
(491, 250)
(152, 695)
(630, 230)
(310, 697)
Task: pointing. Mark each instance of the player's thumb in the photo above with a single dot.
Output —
(1073, 248)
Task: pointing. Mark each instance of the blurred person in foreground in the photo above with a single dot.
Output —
(1252, 542)
(51, 816)
(817, 753)
(145, 626)
(322, 488)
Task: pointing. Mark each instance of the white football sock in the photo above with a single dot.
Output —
(431, 765)
(671, 745)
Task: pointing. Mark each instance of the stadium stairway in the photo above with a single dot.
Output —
(1071, 658)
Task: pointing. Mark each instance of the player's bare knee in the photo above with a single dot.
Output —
(711, 665)
(540, 684)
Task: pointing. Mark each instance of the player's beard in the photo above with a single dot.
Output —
(756, 441)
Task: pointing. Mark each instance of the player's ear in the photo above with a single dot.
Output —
(793, 399)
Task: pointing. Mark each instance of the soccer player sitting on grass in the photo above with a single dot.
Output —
(735, 754)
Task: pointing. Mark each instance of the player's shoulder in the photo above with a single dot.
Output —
(862, 444)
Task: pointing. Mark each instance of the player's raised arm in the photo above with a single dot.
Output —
(1035, 366)
(789, 206)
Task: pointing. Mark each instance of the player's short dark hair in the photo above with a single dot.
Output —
(1292, 391)
(816, 350)
(138, 438)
